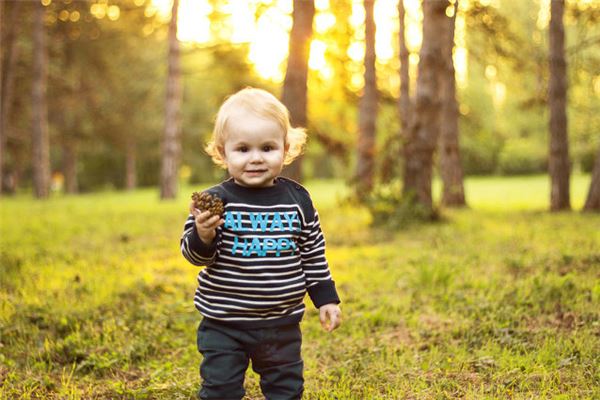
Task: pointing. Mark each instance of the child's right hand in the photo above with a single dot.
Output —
(206, 224)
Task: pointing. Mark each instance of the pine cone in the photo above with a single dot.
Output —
(205, 201)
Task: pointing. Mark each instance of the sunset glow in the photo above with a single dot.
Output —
(268, 35)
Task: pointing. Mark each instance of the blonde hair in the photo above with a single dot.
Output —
(262, 104)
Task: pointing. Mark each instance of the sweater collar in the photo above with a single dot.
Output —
(245, 190)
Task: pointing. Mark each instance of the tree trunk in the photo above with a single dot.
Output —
(2, 130)
(404, 101)
(424, 124)
(559, 163)
(392, 153)
(295, 84)
(171, 145)
(592, 203)
(367, 112)
(40, 141)
(130, 164)
(7, 77)
(451, 170)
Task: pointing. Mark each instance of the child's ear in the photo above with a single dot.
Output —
(286, 147)
(221, 150)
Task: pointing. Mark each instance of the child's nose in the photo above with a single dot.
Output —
(256, 156)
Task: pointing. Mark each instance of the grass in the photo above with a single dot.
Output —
(499, 301)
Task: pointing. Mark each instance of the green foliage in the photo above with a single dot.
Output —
(392, 210)
(520, 157)
(107, 81)
(475, 158)
(587, 159)
(500, 302)
(508, 45)
(102, 169)
(480, 141)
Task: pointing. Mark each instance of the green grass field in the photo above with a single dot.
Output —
(501, 300)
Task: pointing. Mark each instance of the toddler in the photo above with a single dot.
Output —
(262, 255)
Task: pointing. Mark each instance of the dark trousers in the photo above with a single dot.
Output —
(275, 355)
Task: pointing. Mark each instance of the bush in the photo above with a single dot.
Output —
(477, 158)
(522, 157)
(587, 159)
(391, 209)
(101, 168)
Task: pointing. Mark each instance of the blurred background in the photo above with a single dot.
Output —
(96, 94)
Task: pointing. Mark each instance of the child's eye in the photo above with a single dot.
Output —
(267, 148)
(243, 149)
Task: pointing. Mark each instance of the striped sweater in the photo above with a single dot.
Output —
(266, 256)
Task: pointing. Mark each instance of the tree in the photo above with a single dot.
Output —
(404, 102)
(294, 94)
(424, 124)
(558, 161)
(592, 203)
(171, 144)
(451, 170)
(393, 147)
(1, 102)
(367, 113)
(7, 76)
(40, 140)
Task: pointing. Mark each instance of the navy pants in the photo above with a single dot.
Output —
(226, 351)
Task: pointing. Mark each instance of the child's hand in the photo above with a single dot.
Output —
(330, 316)
(206, 224)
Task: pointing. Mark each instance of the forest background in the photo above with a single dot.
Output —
(107, 70)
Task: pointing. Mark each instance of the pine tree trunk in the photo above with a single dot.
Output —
(393, 155)
(171, 145)
(7, 79)
(592, 203)
(559, 163)
(424, 125)
(367, 112)
(451, 170)
(39, 110)
(2, 130)
(130, 164)
(295, 83)
(404, 104)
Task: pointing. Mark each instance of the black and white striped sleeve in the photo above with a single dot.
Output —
(193, 248)
(319, 284)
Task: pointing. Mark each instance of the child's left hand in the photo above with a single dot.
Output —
(330, 316)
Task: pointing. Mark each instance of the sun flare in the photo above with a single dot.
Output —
(268, 35)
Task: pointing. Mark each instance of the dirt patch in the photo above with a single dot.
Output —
(560, 319)
(434, 322)
(399, 336)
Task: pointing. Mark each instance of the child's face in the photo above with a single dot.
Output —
(254, 149)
